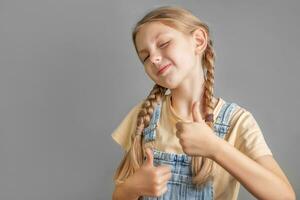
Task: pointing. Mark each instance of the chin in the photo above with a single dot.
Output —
(169, 85)
(169, 82)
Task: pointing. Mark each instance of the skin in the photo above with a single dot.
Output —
(262, 177)
(185, 77)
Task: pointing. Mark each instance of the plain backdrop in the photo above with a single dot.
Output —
(69, 75)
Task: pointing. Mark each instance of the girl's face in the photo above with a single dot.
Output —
(168, 55)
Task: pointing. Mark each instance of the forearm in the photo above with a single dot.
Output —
(123, 191)
(259, 181)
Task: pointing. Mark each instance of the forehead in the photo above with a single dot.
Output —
(150, 31)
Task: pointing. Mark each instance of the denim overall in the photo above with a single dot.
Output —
(180, 185)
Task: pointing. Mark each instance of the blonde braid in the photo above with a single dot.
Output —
(133, 159)
(184, 21)
(147, 110)
(204, 167)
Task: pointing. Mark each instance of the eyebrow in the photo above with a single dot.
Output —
(141, 51)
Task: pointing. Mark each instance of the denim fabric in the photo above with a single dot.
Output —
(180, 185)
(149, 132)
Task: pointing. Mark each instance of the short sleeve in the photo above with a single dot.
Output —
(250, 139)
(122, 134)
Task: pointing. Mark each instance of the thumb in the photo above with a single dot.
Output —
(196, 112)
(149, 157)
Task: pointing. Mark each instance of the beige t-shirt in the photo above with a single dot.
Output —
(244, 134)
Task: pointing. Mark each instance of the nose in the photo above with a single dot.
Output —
(155, 58)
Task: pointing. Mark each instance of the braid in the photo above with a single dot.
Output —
(208, 61)
(148, 106)
(133, 159)
(152, 100)
(203, 167)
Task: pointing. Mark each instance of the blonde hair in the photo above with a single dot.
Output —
(184, 21)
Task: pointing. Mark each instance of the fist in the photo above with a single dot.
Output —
(150, 180)
(197, 138)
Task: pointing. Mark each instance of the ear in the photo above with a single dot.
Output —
(200, 39)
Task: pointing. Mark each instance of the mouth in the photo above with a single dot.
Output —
(163, 69)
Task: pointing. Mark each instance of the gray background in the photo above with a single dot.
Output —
(69, 75)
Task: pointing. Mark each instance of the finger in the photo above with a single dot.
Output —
(162, 180)
(196, 112)
(163, 169)
(179, 126)
(165, 189)
(162, 189)
(165, 178)
(178, 134)
(149, 157)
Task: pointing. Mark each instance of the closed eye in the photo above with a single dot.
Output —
(164, 44)
(161, 46)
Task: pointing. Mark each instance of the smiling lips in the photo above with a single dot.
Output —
(163, 69)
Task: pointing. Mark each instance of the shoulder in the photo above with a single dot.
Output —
(241, 121)
(122, 133)
(238, 114)
(243, 118)
(246, 134)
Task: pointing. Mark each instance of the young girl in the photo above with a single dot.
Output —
(189, 144)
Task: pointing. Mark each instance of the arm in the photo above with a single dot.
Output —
(148, 180)
(124, 192)
(263, 178)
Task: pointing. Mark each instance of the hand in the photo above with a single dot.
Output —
(197, 138)
(150, 180)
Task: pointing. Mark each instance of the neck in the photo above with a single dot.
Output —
(187, 93)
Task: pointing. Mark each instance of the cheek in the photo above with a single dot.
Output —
(182, 56)
(151, 74)
(184, 64)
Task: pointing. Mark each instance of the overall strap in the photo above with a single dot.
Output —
(221, 124)
(149, 132)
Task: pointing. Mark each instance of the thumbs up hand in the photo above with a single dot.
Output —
(149, 158)
(150, 180)
(197, 138)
